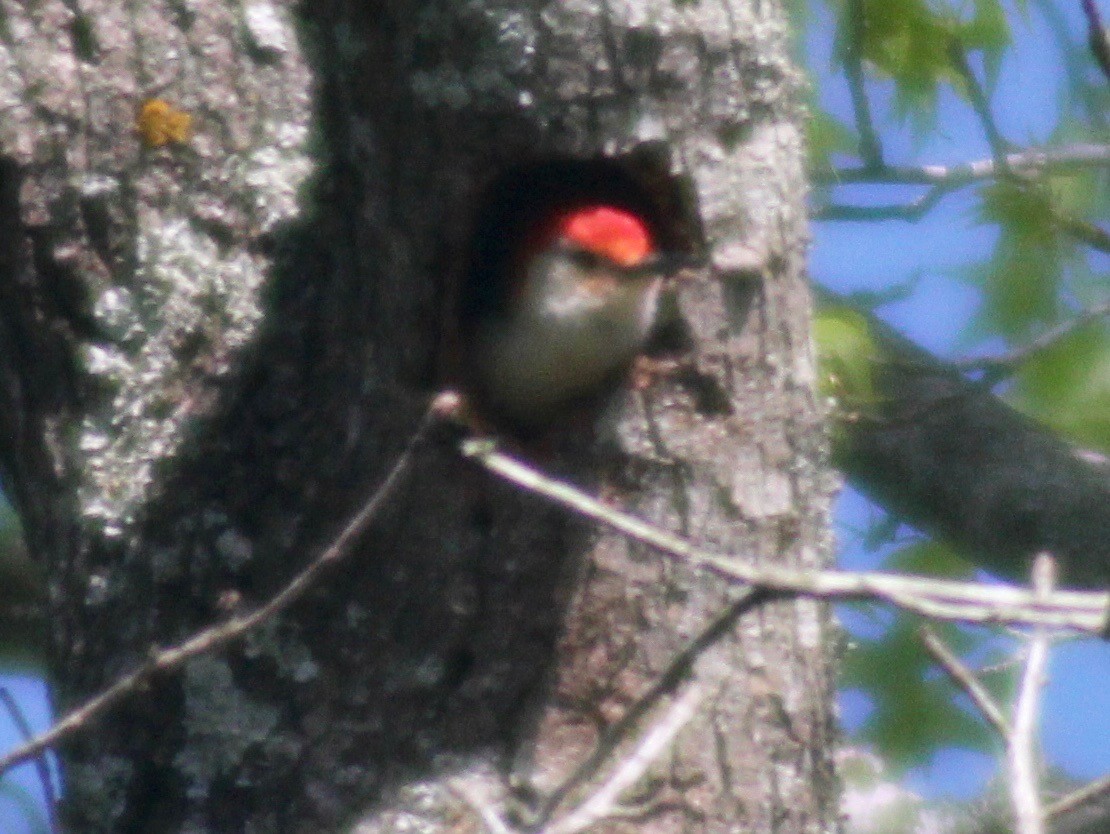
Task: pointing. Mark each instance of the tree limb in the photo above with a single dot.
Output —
(945, 454)
(1029, 161)
(965, 679)
(998, 367)
(945, 179)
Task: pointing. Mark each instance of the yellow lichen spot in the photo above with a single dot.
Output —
(160, 123)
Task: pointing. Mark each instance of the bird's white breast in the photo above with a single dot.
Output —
(567, 337)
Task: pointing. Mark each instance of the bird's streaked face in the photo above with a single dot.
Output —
(580, 311)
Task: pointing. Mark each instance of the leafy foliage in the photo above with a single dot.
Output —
(846, 353)
(915, 710)
(1021, 281)
(912, 43)
(1067, 386)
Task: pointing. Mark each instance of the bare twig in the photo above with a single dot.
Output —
(217, 636)
(910, 212)
(997, 366)
(654, 743)
(1078, 798)
(42, 766)
(945, 179)
(1094, 236)
(965, 679)
(1082, 611)
(666, 684)
(979, 103)
(1029, 161)
(1025, 794)
(870, 148)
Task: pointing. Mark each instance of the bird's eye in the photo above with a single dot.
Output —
(585, 259)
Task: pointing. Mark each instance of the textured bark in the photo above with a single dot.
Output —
(211, 351)
(947, 455)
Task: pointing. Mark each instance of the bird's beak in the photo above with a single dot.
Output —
(672, 265)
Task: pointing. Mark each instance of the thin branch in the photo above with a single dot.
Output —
(654, 743)
(942, 599)
(1060, 159)
(965, 679)
(979, 103)
(666, 684)
(996, 367)
(1094, 236)
(1025, 794)
(945, 179)
(217, 636)
(870, 148)
(909, 212)
(42, 766)
(1078, 798)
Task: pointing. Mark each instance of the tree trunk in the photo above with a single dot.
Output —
(214, 346)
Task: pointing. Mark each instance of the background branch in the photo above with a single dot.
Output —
(1098, 37)
(1060, 159)
(979, 103)
(965, 679)
(1079, 798)
(944, 454)
(945, 179)
(998, 367)
(870, 148)
(42, 765)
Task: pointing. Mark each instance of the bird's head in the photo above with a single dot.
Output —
(611, 235)
(573, 309)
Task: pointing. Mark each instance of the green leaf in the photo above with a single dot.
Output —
(988, 29)
(910, 41)
(1085, 197)
(988, 32)
(1067, 386)
(826, 135)
(846, 355)
(1022, 278)
(931, 558)
(907, 41)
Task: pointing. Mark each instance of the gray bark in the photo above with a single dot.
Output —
(212, 351)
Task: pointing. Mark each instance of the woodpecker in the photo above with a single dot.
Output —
(571, 308)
